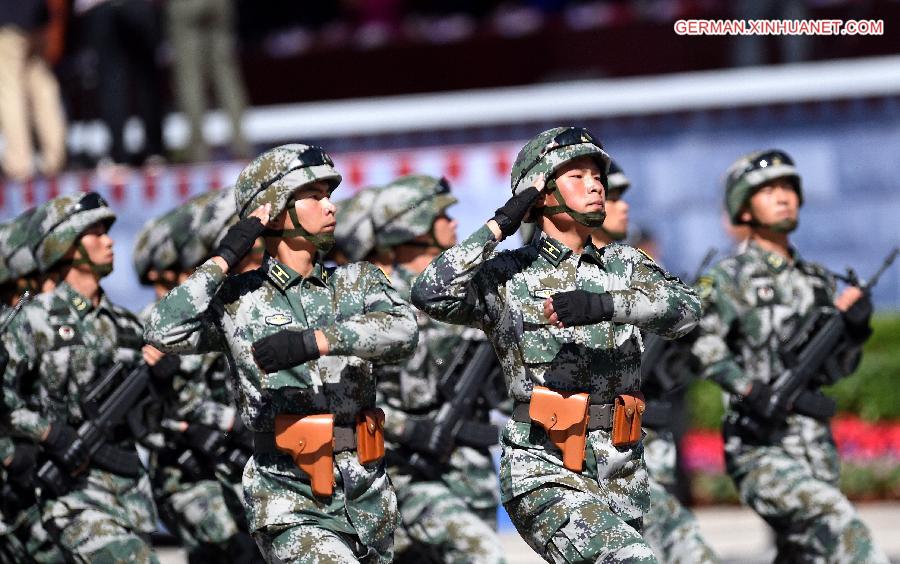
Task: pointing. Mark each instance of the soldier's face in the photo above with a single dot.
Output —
(616, 214)
(98, 244)
(445, 231)
(579, 182)
(774, 203)
(314, 208)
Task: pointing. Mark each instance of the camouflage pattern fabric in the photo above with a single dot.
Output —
(752, 302)
(539, 159)
(16, 239)
(563, 515)
(194, 510)
(452, 515)
(63, 343)
(670, 528)
(60, 227)
(407, 207)
(363, 319)
(354, 234)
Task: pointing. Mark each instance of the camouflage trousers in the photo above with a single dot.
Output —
(107, 518)
(590, 516)
(290, 524)
(669, 527)
(37, 545)
(197, 514)
(793, 485)
(451, 518)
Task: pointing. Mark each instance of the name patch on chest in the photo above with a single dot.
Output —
(278, 319)
(543, 293)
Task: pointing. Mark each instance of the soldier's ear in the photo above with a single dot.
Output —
(745, 215)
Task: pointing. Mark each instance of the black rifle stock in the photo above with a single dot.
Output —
(102, 418)
(657, 351)
(791, 390)
(460, 398)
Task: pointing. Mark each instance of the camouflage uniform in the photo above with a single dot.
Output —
(194, 509)
(753, 302)
(563, 515)
(670, 528)
(363, 319)
(448, 510)
(61, 344)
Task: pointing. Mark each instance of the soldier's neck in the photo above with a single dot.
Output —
(85, 283)
(572, 234)
(772, 242)
(601, 239)
(298, 254)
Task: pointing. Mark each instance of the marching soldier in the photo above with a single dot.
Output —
(62, 343)
(564, 318)
(785, 469)
(190, 497)
(446, 485)
(670, 528)
(300, 337)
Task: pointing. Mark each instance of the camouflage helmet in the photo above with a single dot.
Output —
(407, 207)
(752, 171)
(274, 176)
(546, 152)
(60, 222)
(15, 245)
(617, 181)
(5, 275)
(354, 234)
(211, 224)
(154, 249)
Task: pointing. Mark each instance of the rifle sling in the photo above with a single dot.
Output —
(601, 415)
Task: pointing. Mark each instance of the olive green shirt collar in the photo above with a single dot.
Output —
(81, 305)
(774, 261)
(555, 252)
(283, 276)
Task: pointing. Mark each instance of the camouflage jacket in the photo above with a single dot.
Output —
(503, 293)
(752, 302)
(412, 387)
(355, 307)
(59, 346)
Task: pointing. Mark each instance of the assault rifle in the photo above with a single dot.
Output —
(101, 419)
(466, 380)
(4, 356)
(792, 391)
(660, 354)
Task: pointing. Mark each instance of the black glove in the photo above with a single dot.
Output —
(510, 216)
(20, 471)
(239, 240)
(285, 349)
(759, 400)
(202, 438)
(167, 367)
(580, 307)
(420, 434)
(857, 319)
(65, 447)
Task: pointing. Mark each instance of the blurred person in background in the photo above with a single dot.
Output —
(670, 528)
(756, 305)
(124, 34)
(203, 39)
(30, 38)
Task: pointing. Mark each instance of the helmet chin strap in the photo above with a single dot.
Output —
(588, 219)
(614, 235)
(784, 226)
(99, 270)
(322, 242)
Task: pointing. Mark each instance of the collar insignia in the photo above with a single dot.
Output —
(79, 303)
(278, 319)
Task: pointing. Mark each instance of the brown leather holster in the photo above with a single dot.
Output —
(310, 442)
(627, 414)
(370, 435)
(564, 416)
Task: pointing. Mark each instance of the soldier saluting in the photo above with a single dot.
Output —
(785, 467)
(564, 318)
(299, 336)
